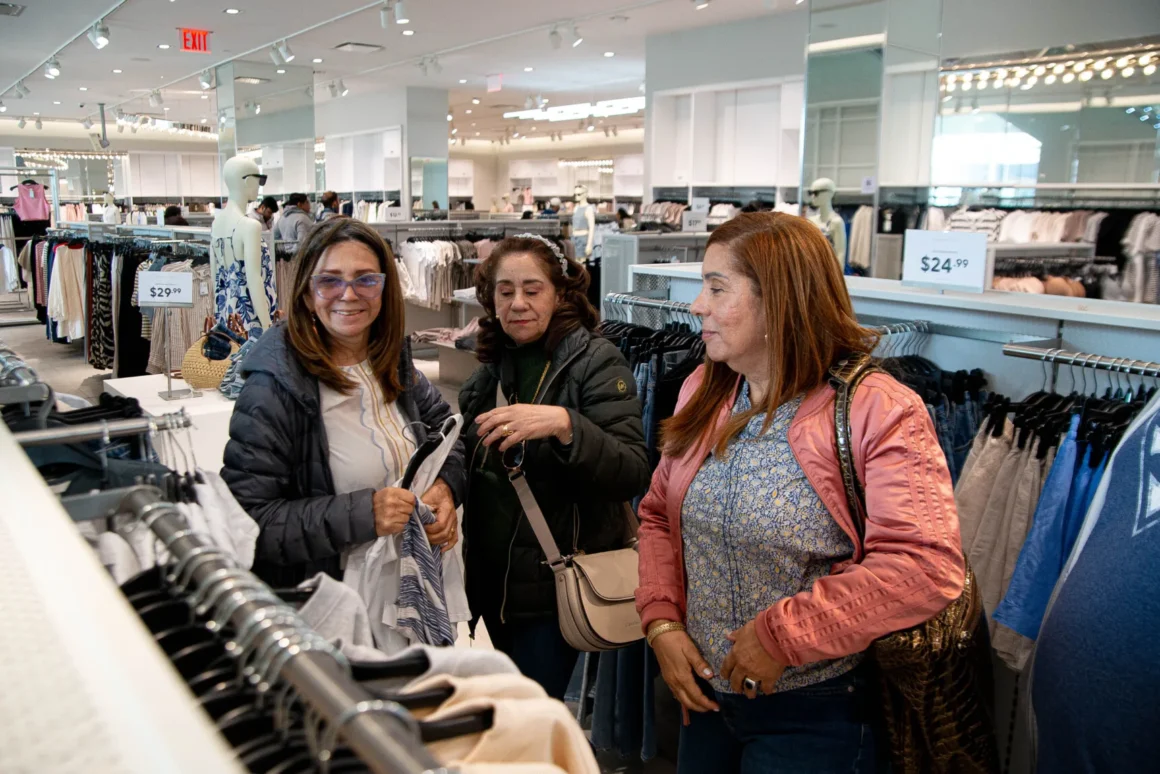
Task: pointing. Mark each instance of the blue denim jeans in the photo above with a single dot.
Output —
(826, 728)
(538, 649)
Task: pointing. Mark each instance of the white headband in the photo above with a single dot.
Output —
(556, 251)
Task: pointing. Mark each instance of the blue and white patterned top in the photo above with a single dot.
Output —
(755, 532)
(232, 290)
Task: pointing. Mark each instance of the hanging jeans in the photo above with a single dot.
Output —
(821, 729)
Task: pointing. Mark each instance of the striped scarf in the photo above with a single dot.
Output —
(422, 604)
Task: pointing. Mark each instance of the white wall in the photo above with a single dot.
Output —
(976, 27)
(360, 112)
(765, 47)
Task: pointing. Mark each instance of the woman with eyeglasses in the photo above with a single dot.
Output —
(559, 401)
(331, 412)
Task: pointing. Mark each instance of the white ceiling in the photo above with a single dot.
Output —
(472, 39)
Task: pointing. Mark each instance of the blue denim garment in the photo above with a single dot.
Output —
(942, 426)
(964, 427)
(1041, 558)
(538, 649)
(825, 728)
(618, 711)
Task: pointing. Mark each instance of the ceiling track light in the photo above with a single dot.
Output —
(39, 124)
(577, 38)
(87, 123)
(385, 15)
(401, 16)
(342, 89)
(555, 38)
(333, 88)
(423, 67)
(22, 90)
(700, 5)
(99, 35)
(52, 68)
(155, 99)
(22, 123)
(438, 68)
(285, 52)
(206, 79)
(276, 56)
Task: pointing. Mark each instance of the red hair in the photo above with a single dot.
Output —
(809, 322)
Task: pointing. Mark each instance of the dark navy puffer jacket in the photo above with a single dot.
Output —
(277, 463)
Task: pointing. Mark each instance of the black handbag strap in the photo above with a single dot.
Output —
(845, 377)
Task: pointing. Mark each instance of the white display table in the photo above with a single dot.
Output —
(210, 413)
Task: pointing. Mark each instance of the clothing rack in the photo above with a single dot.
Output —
(18, 382)
(1122, 365)
(96, 431)
(273, 643)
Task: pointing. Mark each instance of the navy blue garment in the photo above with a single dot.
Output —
(537, 648)
(825, 728)
(623, 715)
(1096, 677)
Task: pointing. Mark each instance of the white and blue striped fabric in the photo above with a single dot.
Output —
(422, 604)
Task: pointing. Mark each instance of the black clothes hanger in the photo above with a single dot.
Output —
(450, 728)
(413, 664)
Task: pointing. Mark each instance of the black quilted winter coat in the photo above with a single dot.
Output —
(581, 488)
(277, 463)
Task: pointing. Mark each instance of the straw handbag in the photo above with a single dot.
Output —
(205, 362)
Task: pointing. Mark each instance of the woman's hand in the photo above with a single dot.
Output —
(524, 422)
(445, 530)
(679, 658)
(749, 659)
(393, 508)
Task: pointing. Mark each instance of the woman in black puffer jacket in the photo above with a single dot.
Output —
(331, 412)
(573, 406)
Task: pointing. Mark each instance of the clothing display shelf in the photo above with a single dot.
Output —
(383, 734)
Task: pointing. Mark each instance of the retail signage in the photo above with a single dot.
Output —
(700, 204)
(396, 215)
(194, 40)
(869, 184)
(946, 260)
(694, 221)
(166, 288)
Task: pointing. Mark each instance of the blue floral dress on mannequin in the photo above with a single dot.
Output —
(232, 290)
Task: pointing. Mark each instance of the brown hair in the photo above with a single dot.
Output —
(573, 311)
(310, 340)
(809, 323)
(330, 200)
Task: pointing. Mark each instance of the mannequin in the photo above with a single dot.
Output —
(110, 214)
(820, 197)
(583, 224)
(242, 270)
(507, 204)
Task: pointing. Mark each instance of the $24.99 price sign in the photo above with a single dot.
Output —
(166, 288)
(948, 260)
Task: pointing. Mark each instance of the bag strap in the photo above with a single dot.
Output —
(845, 378)
(536, 518)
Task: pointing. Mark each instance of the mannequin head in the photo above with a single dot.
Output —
(242, 178)
(820, 194)
(109, 199)
(580, 193)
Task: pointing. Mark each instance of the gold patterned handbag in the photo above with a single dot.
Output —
(935, 677)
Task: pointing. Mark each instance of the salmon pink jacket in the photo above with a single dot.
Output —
(911, 565)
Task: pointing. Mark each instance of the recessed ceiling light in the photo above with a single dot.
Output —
(477, 133)
(463, 80)
(609, 54)
(116, 72)
(316, 61)
(205, 96)
(84, 88)
(527, 69)
(280, 71)
(163, 46)
(475, 101)
(232, 11)
(408, 33)
(36, 114)
(56, 102)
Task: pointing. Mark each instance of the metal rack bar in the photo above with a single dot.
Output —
(101, 430)
(1123, 365)
(384, 742)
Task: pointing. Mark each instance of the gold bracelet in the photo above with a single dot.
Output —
(665, 628)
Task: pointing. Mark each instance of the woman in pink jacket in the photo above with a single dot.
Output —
(755, 591)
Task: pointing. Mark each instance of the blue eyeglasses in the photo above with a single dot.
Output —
(328, 287)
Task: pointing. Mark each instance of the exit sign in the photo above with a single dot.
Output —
(194, 40)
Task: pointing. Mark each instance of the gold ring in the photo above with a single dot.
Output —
(507, 430)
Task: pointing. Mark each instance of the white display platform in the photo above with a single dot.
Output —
(85, 687)
(210, 413)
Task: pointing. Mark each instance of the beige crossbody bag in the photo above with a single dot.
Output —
(595, 593)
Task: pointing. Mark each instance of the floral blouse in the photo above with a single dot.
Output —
(755, 532)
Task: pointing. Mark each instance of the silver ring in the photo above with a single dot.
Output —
(750, 684)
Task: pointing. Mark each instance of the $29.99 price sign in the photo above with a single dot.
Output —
(947, 260)
(166, 288)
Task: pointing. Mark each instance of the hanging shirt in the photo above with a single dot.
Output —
(31, 203)
(1095, 676)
